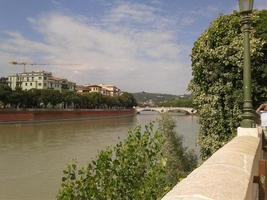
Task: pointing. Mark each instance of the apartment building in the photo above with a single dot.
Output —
(110, 89)
(39, 80)
(107, 90)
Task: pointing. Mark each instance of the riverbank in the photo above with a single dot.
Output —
(44, 115)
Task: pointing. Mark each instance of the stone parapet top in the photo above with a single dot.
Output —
(226, 175)
(255, 132)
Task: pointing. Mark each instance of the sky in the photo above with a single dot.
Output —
(137, 45)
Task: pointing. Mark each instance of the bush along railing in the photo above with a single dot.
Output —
(143, 166)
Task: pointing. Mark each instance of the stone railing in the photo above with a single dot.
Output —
(227, 174)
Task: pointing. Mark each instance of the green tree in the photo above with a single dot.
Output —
(33, 98)
(180, 161)
(134, 169)
(217, 61)
(45, 97)
(68, 97)
(5, 93)
(95, 99)
(53, 97)
(76, 99)
(145, 165)
(178, 102)
(107, 100)
(17, 98)
(127, 100)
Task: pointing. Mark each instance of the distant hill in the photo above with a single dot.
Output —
(145, 97)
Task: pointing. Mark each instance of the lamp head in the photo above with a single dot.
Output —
(245, 5)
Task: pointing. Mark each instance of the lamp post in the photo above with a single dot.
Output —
(248, 116)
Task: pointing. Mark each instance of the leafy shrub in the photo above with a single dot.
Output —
(180, 161)
(217, 65)
(133, 169)
(143, 166)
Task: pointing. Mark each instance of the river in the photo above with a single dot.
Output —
(32, 156)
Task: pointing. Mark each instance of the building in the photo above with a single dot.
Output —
(39, 80)
(110, 89)
(107, 90)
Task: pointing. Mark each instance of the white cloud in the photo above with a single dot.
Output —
(140, 13)
(112, 49)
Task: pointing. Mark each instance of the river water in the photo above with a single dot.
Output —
(32, 156)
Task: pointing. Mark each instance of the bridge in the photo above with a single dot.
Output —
(187, 110)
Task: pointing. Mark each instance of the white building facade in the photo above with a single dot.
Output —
(111, 90)
(39, 80)
(107, 90)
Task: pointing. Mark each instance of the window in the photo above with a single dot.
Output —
(45, 78)
(30, 84)
(40, 84)
(32, 78)
(44, 84)
(27, 78)
(26, 84)
(39, 77)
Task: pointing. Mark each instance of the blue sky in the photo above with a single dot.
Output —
(138, 45)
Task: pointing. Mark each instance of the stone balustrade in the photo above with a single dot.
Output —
(227, 174)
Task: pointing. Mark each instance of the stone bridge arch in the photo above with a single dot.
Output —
(190, 111)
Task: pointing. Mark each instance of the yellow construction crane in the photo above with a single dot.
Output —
(33, 64)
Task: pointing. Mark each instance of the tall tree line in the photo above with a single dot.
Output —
(48, 98)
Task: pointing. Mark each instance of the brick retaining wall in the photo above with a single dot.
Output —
(11, 116)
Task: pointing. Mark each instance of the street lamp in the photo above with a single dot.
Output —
(248, 116)
(245, 5)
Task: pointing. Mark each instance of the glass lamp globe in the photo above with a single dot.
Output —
(245, 5)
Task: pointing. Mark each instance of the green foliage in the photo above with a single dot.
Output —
(17, 98)
(35, 98)
(133, 169)
(177, 102)
(5, 92)
(179, 160)
(143, 97)
(144, 166)
(217, 61)
(127, 100)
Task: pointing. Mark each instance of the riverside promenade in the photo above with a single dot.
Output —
(229, 174)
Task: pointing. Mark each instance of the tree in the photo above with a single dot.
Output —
(33, 98)
(217, 61)
(68, 97)
(5, 93)
(145, 165)
(127, 100)
(55, 97)
(17, 98)
(95, 99)
(179, 160)
(177, 102)
(133, 169)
